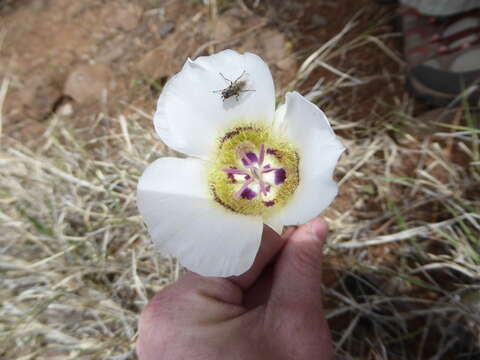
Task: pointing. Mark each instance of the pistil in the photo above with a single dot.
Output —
(254, 171)
(253, 174)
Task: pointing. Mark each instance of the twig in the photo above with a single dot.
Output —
(202, 48)
(3, 95)
(406, 234)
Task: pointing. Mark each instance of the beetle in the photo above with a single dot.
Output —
(234, 88)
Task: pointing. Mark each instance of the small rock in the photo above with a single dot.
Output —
(113, 49)
(40, 5)
(287, 63)
(222, 29)
(274, 44)
(125, 17)
(65, 110)
(72, 9)
(225, 27)
(88, 83)
(110, 54)
(276, 51)
(319, 20)
(40, 94)
(158, 62)
(165, 29)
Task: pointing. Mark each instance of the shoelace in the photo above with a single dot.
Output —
(443, 41)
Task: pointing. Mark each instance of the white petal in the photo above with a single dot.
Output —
(173, 198)
(319, 149)
(279, 117)
(309, 200)
(190, 116)
(309, 129)
(275, 224)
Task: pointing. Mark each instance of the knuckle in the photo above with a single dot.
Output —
(155, 314)
(154, 327)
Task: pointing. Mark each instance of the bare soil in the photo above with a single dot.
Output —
(81, 60)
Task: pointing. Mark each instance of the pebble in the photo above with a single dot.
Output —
(87, 83)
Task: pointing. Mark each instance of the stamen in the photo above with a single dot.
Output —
(255, 173)
(263, 188)
(268, 169)
(262, 154)
(255, 168)
(244, 187)
(235, 171)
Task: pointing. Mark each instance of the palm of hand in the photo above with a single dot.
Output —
(274, 311)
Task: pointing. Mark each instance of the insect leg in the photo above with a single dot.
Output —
(224, 78)
(238, 78)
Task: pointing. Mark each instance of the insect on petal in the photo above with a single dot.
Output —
(189, 115)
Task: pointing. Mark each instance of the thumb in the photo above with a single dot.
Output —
(298, 272)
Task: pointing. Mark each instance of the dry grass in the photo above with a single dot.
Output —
(78, 262)
(404, 252)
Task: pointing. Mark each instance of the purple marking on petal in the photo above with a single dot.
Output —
(269, 203)
(245, 162)
(245, 185)
(280, 176)
(249, 159)
(248, 194)
(247, 177)
(252, 157)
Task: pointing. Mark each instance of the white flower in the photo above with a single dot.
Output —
(248, 164)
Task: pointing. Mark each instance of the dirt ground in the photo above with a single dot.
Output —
(80, 61)
(82, 57)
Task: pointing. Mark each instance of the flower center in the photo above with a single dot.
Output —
(255, 172)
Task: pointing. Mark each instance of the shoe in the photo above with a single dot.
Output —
(443, 56)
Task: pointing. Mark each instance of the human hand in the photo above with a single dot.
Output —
(273, 311)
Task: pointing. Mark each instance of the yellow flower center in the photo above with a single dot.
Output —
(254, 172)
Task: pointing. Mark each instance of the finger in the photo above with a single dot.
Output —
(191, 303)
(289, 231)
(270, 246)
(298, 271)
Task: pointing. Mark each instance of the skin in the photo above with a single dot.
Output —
(273, 311)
